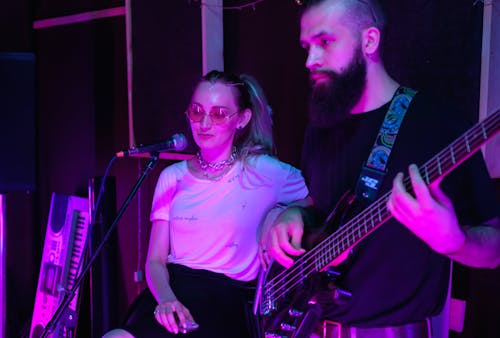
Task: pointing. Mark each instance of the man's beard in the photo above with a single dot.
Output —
(332, 101)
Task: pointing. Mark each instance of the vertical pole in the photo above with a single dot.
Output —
(130, 68)
(3, 268)
(489, 101)
(485, 63)
(212, 35)
(104, 272)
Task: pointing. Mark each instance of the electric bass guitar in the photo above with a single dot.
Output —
(287, 300)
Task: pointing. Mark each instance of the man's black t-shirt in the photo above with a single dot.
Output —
(394, 277)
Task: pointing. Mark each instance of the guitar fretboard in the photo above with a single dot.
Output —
(377, 214)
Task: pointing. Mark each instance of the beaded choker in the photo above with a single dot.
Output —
(216, 166)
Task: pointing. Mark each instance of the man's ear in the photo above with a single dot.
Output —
(244, 118)
(370, 40)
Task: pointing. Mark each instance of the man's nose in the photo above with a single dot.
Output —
(313, 60)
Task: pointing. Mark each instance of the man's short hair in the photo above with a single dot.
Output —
(360, 13)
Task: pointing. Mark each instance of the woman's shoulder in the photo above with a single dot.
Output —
(176, 169)
(269, 163)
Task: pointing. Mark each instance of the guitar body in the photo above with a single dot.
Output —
(297, 314)
(287, 319)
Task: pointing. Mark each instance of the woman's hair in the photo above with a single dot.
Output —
(257, 136)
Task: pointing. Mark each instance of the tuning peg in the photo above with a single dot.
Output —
(332, 273)
(295, 313)
(273, 335)
(288, 327)
(341, 296)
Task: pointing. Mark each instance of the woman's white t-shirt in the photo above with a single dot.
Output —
(213, 224)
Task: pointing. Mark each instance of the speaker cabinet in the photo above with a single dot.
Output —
(17, 122)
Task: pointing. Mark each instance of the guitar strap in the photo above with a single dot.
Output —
(374, 169)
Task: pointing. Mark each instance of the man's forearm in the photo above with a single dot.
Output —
(482, 247)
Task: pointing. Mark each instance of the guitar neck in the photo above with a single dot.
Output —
(437, 167)
(377, 214)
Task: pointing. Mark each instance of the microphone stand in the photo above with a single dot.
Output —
(69, 315)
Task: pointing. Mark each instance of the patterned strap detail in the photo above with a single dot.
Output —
(374, 168)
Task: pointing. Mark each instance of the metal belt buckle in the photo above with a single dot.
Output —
(327, 323)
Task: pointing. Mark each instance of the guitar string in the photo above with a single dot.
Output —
(309, 262)
(449, 156)
(445, 156)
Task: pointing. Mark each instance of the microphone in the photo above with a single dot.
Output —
(177, 142)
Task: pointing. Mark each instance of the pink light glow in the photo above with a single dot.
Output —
(81, 17)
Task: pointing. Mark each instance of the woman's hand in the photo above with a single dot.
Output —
(174, 316)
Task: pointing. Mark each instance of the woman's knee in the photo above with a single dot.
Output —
(118, 333)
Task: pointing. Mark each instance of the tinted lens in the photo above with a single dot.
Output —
(195, 113)
(218, 115)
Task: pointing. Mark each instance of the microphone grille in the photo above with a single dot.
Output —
(180, 142)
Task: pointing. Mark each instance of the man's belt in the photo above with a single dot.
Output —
(331, 329)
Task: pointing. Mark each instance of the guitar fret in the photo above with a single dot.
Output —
(328, 257)
(452, 153)
(467, 143)
(320, 261)
(439, 165)
(485, 134)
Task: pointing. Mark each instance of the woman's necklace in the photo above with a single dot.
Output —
(207, 167)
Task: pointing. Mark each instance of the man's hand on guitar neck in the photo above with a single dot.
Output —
(429, 215)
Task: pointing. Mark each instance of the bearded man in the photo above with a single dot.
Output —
(397, 276)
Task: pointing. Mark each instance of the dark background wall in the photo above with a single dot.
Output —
(80, 111)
